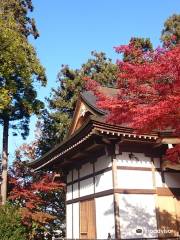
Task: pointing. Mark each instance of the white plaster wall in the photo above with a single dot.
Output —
(102, 163)
(137, 211)
(76, 220)
(172, 180)
(69, 177)
(86, 169)
(75, 191)
(69, 221)
(103, 181)
(158, 177)
(124, 160)
(105, 217)
(69, 193)
(75, 174)
(134, 179)
(86, 187)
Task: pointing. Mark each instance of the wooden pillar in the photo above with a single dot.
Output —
(116, 195)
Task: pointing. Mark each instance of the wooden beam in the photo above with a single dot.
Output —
(171, 140)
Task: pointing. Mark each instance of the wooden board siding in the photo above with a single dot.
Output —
(167, 216)
(178, 212)
(87, 220)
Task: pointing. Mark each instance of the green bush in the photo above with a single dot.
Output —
(11, 227)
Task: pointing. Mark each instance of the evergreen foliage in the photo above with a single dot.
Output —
(171, 31)
(20, 69)
(11, 227)
(139, 45)
(19, 10)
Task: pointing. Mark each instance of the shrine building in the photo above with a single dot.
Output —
(118, 186)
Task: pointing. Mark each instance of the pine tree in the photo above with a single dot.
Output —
(171, 32)
(139, 46)
(19, 70)
(18, 10)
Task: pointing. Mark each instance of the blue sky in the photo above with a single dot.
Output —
(71, 29)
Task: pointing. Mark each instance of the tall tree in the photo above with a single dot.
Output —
(18, 10)
(171, 32)
(19, 70)
(62, 103)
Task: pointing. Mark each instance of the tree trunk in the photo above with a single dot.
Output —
(5, 161)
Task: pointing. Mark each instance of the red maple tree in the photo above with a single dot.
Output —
(148, 93)
(27, 190)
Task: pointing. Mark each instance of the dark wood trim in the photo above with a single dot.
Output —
(147, 169)
(162, 172)
(67, 172)
(91, 196)
(110, 168)
(72, 186)
(91, 175)
(96, 195)
(78, 183)
(135, 191)
(162, 191)
(159, 191)
(120, 168)
(171, 171)
(94, 177)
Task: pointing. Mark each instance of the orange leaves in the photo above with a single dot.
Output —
(29, 193)
(46, 184)
(41, 218)
(28, 190)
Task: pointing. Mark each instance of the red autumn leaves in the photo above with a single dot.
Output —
(148, 92)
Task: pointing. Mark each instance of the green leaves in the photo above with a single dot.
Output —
(4, 98)
(10, 224)
(171, 33)
(19, 10)
(20, 68)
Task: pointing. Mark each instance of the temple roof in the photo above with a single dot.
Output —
(90, 98)
(91, 136)
(89, 133)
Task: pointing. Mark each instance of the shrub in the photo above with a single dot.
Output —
(11, 227)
